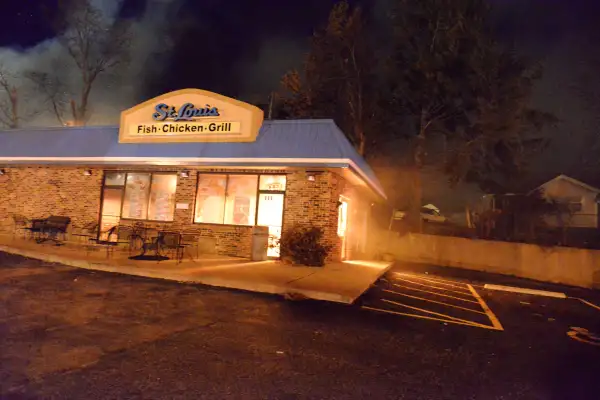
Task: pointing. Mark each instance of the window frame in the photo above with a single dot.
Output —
(124, 187)
(258, 193)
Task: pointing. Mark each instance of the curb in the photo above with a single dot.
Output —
(534, 292)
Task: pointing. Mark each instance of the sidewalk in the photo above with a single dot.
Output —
(341, 282)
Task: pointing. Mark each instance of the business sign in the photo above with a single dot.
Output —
(190, 115)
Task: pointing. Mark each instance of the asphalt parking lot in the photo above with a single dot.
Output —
(68, 333)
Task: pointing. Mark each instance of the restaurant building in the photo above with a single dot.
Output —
(197, 162)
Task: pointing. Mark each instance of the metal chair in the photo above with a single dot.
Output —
(171, 241)
(21, 224)
(189, 242)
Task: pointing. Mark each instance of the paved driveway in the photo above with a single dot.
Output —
(67, 333)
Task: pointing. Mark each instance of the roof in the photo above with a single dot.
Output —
(306, 143)
(573, 181)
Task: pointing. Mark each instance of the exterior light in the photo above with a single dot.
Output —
(185, 174)
(88, 172)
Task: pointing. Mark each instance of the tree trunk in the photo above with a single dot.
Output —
(14, 104)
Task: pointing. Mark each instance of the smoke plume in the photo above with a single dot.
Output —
(112, 92)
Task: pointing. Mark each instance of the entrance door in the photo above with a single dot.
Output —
(343, 224)
(270, 213)
(111, 210)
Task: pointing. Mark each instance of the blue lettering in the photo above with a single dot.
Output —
(161, 112)
(187, 112)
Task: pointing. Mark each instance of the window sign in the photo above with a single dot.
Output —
(275, 183)
(137, 191)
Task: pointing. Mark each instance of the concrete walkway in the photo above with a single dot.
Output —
(341, 282)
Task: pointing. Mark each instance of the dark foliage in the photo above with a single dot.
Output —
(303, 245)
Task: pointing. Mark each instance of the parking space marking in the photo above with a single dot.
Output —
(426, 317)
(433, 280)
(587, 302)
(436, 293)
(434, 301)
(494, 320)
(433, 287)
(448, 317)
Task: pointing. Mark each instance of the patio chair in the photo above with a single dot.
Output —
(190, 245)
(105, 239)
(171, 241)
(87, 231)
(36, 228)
(21, 225)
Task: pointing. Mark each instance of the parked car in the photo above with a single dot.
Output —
(429, 213)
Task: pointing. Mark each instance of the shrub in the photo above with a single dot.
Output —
(302, 245)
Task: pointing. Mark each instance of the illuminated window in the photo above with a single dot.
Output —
(162, 197)
(210, 198)
(137, 194)
(232, 199)
(240, 204)
(149, 196)
(275, 183)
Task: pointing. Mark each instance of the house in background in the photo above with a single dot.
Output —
(581, 198)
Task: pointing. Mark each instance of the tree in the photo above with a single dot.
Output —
(53, 93)
(450, 79)
(11, 114)
(339, 79)
(96, 44)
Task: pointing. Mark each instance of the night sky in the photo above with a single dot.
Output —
(241, 48)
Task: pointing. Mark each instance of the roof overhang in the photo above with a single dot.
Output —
(349, 169)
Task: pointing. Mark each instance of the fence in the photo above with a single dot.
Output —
(571, 266)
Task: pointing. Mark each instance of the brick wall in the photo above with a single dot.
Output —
(37, 192)
(40, 191)
(315, 203)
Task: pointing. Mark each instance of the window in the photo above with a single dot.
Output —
(162, 197)
(232, 199)
(114, 179)
(147, 196)
(210, 199)
(273, 183)
(240, 204)
(574, 204)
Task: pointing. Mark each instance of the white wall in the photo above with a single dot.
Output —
(558, 189)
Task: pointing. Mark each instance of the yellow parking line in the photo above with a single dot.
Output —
(426, 317)
(436, 293)
(487, 310)
(434, 280)
(436, 313)
(433, 301)
(433, 287)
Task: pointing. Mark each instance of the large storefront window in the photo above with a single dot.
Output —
(240, 203)
(149, 196)
(210, 199)
(232, 199)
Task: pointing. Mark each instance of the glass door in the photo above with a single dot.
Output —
(270, 214)
(112, 199)
(111, 210)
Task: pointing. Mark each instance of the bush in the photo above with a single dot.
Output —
(302, 245)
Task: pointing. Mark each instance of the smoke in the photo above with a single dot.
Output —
(261, 76)
(112, 92)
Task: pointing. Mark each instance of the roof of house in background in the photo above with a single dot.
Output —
(573, 181)
(302, 143)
